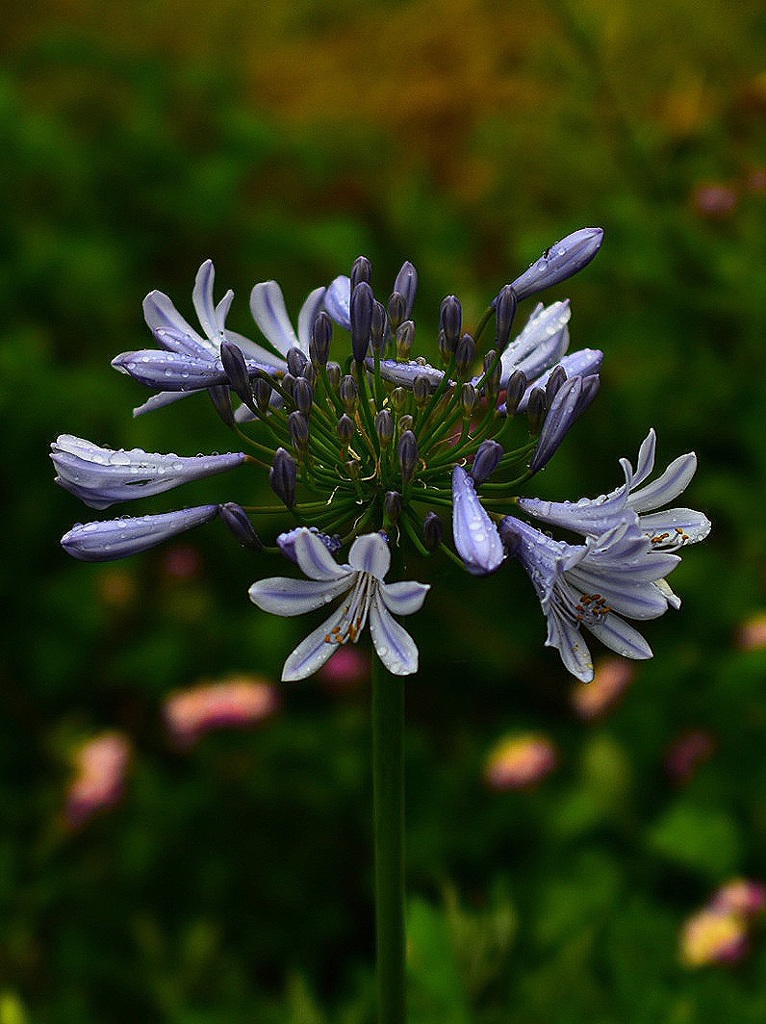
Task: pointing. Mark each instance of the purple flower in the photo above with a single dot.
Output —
(542, 342)
(117, 538)
(573, 398)
(476, 538)
(561, 261)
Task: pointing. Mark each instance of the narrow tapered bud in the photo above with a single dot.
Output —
(378, 327)
(345, 430)
(433, 531)
(421, 390)
(309, 373)
(334, 374)
(514, 391)
(451, 321)
(392, 506)
(361, 320)
(444, 351)
(505, 311)
(288, 384)
(405, 423)
(468, 398)
(557, 377)
(238, 521)
(283, 476)
(220, 396)
(321, 337)
(536, 410)
(361, 271)
(408, 455)
(262, 390)
(486, 461)
(384, 427)
(298, 426)
(303, 396)
(398, 399)
(492, 382)
(296, 360)
(560, 262)
(465, 353)
(235, 369)
(396, 310)
(406, 285)
(405, 335)
(349, 394)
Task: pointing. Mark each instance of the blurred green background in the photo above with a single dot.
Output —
(233, 881)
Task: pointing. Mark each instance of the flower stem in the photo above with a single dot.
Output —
(388, 785)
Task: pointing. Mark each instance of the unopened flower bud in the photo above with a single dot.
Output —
(345, 430)
(396, 310)
(536, 410)
(405, 335)
(465, 353)
(408, 455)
(361, 320)
(296, 360)
(468, 398)
(238, 521)
(235, 369)
(405, 423)
(492, 382)
(288, 383)
(262, 390)
(361, 271)
(433, 531)
(505, 311)
(378, 327)
(398, 399)
(353, 468)
(321, 337)
(421, 390)
(384, 427)
(392, 505)
(298, 426)
(334, 374)
(514, 391)
(406, 284)
(560, 262)
(283, 476)
(309, 373)
(451, 322)
(220, 396)
(558, 376)
(349, 394)
(303, 395)
(486, 461)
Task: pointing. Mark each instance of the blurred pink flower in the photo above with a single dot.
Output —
(714, 200)
(742, 896)
(181, 562)
(347, 669)
(751, 635)
(239, 700)
(520, 761)
(712, 937)
(612, 677)
(100, 764)
(687, 753)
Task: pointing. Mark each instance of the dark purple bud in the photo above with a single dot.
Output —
(514, 390)
(408, 455)
(421, 390)
(505, 311)
(536, 409)
(405, 335)
(433, 531)
(392, 505)
(378, 327)
(465, 353)
(349, 394)
(486, 461)
(492, 382)
(345, 430)
(560, 262)
(361, 271)
(552, 386)
(384, 427)
(406, 285)
(288, 384)
(238, 521)
(362, 300)
(296, 360)
(321, 338)
(573, 398)
(283, 476)
(236, 370)
(334, 373)
(309, 373)
(262, 391)
(220, 396)
(468, 398)
(303, 395)
(298, 426)
(397, 310)
(451, 322)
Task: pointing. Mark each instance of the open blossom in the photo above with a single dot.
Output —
(596, 586)
(361, 584)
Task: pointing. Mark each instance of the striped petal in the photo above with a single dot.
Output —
(267, 304)
(287, 597)
(312, 652)
(667, 487)
(619, 636)
(370, 553)
(476, 538)
(316, 561)
(393, 644)
(675, 528)
(118, 538)
(405, 597)
(337, 301)
(309, 312)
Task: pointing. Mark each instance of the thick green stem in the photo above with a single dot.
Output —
(388, 784)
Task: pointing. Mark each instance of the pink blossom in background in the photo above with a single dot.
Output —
(100, 764)
(348, 668)
(714, 201)
(751, 635)
(239, 700)
(611, 679)
(517, 762)
(710, 937)
(687, 753)
(181, 562)
(742, 896)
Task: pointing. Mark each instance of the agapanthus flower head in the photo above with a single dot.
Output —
(234, 702)
(520, 761)
(100, 767)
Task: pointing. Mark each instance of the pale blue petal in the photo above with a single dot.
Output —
(370, 553)
(316, 561)
(569, 642)
(405, 597)
(202, 297)
(309, 312)
(675, 527)
(337, 301)
(394, 645)
(645, 463)
(667, 487)
(162, 316)
(619, 636)
(267, 305)
(282, 596)
(404, 374)
(312, 652)
(476, 538)
(159, 401)
(118, 538)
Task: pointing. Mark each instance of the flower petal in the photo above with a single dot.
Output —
(312, 652)
(675, 528)
(315, 560)
(370, 553)
(405, 597)
(569, 642)
(394, 645)
(667, 487)
(267, 304)
(476, 538)
(543, 341)
(282, 596)
(202, 297)
(309, 312)
(620, 637)
(645, 463)
(117, 538)
(573, 398)
(159, 401)
(337, 301)
(162, 316)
